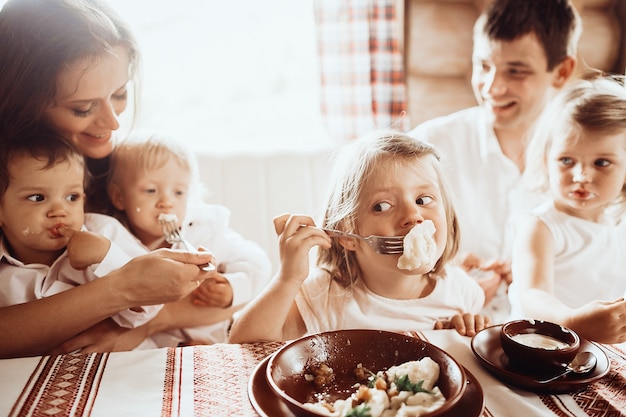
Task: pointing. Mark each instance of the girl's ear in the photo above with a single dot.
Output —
(116, 196)
(348, 242)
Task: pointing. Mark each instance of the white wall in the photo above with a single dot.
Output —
(258, 187)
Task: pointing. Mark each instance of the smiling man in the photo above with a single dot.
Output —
(524, 51)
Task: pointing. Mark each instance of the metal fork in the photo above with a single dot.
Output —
(386, 245)
(172, 235)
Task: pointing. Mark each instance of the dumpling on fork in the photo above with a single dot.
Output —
(420, 247)
(168, 217)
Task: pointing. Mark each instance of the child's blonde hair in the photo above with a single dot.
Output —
(580, 110)
(146, 151)
(354, 166)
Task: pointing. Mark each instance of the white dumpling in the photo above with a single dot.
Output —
(425, 369)
(420, 247)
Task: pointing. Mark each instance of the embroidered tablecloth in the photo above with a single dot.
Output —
(213, 380)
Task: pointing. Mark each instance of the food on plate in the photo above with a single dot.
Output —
(405, 390)
(420, 248)
(321, 375)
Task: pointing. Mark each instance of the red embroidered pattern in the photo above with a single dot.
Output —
(605, 397)
(172, 383)
(209, 377)
(61, 385)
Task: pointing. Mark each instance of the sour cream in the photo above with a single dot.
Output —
(540, 341)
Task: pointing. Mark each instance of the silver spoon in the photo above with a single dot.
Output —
(582, 363)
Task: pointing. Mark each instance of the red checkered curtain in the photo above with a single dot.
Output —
(362, 68)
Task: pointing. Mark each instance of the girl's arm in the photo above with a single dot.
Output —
(533, 272)
(35, 327)
(273, 315)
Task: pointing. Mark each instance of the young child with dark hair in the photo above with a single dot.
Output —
(48, 244)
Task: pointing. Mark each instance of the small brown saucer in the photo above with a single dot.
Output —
(268, 404)
(487, 348)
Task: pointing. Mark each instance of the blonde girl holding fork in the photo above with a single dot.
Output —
(384, 184)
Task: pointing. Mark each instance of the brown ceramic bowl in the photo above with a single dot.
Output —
(538, 345)
(342, 351)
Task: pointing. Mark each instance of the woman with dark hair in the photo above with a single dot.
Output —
(69, 65)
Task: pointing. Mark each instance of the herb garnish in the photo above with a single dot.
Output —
(361, 410)
(403, 383)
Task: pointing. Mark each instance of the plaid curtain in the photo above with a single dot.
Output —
(361, 67)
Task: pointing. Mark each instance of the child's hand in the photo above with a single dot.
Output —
(214, 292)
(470, 261)
(600, 321)
(465, 324)
(296, 239)
(84, 248)
(489, 281)
(489, 274)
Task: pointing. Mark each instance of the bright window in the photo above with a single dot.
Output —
(229, 76)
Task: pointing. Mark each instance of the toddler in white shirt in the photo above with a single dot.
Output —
(48, 243)
(152, 175)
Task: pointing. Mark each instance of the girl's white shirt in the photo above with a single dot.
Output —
(20, 283)
(326, 305)
(589, 263)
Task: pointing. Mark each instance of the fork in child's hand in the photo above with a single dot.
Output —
(385, 245)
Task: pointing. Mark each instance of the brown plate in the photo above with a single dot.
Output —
(487, 347)
(267, 403)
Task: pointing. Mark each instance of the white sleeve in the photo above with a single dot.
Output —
(115, 231)
(245, 264)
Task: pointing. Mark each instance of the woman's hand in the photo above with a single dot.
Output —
(296, 239)
(159, 277)
(466, 324)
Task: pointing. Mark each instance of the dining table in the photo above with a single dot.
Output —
(229, 380)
